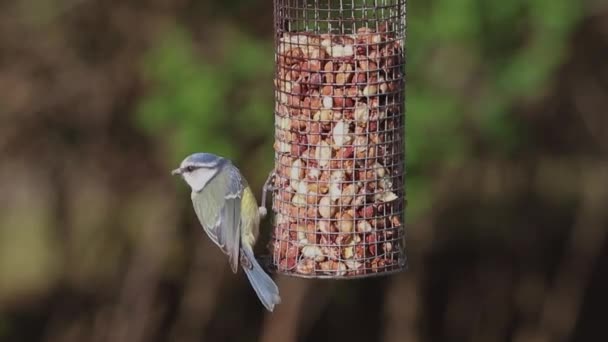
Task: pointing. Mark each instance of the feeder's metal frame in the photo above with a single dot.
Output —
(283, 24)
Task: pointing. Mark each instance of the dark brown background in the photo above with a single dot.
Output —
(507, 175)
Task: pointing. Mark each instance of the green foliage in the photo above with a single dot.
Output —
(468, 61)
(190, 107)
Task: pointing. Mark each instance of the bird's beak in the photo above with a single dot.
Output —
(177, 171)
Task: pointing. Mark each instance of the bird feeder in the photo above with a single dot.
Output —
(338, 188)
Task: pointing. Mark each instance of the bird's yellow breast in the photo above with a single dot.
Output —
(250, 217)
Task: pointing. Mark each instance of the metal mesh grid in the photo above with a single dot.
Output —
(338, 188)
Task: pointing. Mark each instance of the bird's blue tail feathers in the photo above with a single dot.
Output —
(262, 283)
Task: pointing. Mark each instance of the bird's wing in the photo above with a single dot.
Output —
(221, 220)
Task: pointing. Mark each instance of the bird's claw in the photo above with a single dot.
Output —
(267, 187)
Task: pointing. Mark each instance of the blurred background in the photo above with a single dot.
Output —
(507, 146)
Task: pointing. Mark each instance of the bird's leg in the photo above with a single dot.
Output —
(245, 262)
(267, 187)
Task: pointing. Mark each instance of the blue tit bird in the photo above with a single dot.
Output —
(229, 213)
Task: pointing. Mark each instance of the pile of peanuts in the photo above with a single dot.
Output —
(339, 131)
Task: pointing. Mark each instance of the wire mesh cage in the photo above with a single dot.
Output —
(338, 190)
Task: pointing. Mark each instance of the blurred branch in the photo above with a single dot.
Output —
(402, 309)
(303, 301)
(135, 311)
(560, 311)
(591, 102)
(199, 300)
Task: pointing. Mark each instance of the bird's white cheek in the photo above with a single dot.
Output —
(198, 179)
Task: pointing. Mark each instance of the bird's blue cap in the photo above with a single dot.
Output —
(198, 160)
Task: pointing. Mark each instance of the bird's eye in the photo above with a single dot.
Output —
(190, 168)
